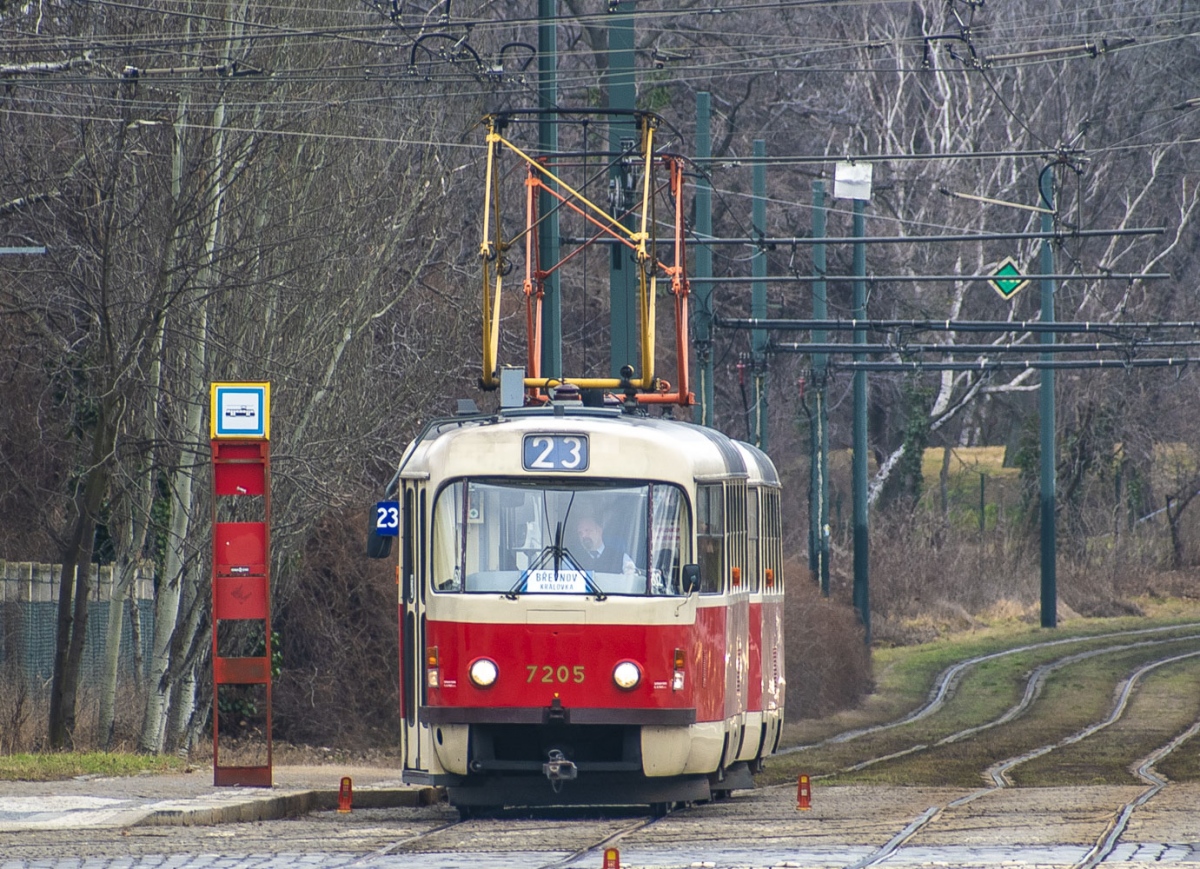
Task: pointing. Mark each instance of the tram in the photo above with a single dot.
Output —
(535, 672)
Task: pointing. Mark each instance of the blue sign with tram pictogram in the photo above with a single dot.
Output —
(240, 410)
(387, 519)
(555, 452)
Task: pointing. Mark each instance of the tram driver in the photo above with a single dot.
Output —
(594, 553)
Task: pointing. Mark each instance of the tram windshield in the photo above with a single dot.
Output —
(511, 537)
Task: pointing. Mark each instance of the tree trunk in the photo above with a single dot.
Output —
(131, 539)
(176, 571)
(112, 654)
(187, 651)
(75, 584)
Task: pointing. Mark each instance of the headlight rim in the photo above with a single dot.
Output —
(637, 675)
(483, 660)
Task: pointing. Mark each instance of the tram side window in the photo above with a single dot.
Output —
(710, 537)
(773, 548)
(447, 540)
(669, 539)
(753, 564)
(735, 524)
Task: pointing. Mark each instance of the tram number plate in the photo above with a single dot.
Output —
(387, 519)
(549, 674)
(555, 452)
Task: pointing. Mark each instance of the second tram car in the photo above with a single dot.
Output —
(591, 609)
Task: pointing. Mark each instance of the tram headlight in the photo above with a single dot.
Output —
(483, 672)
(627, 675)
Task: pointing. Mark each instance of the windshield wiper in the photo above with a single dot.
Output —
(561, 557)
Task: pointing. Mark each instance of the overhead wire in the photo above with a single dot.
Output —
(377, 74)
(468, 24)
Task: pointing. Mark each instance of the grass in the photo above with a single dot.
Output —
(1073, 697)
(57, 766)
(1165, 704)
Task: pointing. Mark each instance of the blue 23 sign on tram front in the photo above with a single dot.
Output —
(555, 452)
(387, 518)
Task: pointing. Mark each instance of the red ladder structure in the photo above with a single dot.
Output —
(240, 582)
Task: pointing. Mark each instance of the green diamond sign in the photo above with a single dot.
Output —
(1007, 280)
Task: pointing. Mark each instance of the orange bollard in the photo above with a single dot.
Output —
(345, 795)
(803, 794)
(612, 858)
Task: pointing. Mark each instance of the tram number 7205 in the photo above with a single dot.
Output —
(549, 674)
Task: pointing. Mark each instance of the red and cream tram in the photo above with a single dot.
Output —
(537, 672)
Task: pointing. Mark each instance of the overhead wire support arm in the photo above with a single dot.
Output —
(990, 365)
(927, 239)
(792, 279)
(1090, 48)
(820, 159)
(801, 325)
(922, 239)
(976, 349)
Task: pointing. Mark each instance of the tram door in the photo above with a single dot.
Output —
(414, 744)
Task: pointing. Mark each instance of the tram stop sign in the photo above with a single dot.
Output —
(1007, 280)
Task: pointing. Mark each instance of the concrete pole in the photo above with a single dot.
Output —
(548, 234)
(758, 298)
(702, 289)
(1047, 425)
(622, 273)
(818, 509)
(862, 592)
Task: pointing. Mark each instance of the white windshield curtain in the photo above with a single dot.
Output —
(668, 533)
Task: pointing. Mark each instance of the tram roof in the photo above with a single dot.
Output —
(706, 452)
(759, 466)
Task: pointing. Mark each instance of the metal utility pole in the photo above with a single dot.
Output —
(701, 288)
(1046, 400)
(623, 138)
(548, 237)
(758, 300)
(862, 547)
(818, 508)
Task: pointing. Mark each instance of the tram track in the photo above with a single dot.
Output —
(576, 844)
(998, 772)
(602, 843)
(394, 847)
(1034, 684)
(473, 831)
(946, 681)
(577, 852)
(579, 846)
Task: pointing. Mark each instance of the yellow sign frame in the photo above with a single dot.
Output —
(248, 419)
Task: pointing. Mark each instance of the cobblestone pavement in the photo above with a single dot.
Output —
(847, 827)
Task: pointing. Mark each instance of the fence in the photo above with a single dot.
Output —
(29, 616)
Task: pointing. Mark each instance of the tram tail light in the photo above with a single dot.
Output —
(737, 577)
(433, 673)
(770, 575)
(677, 678)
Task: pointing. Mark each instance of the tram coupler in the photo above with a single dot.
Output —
(557, 768)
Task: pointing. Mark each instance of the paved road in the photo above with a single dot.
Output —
(847, 827)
